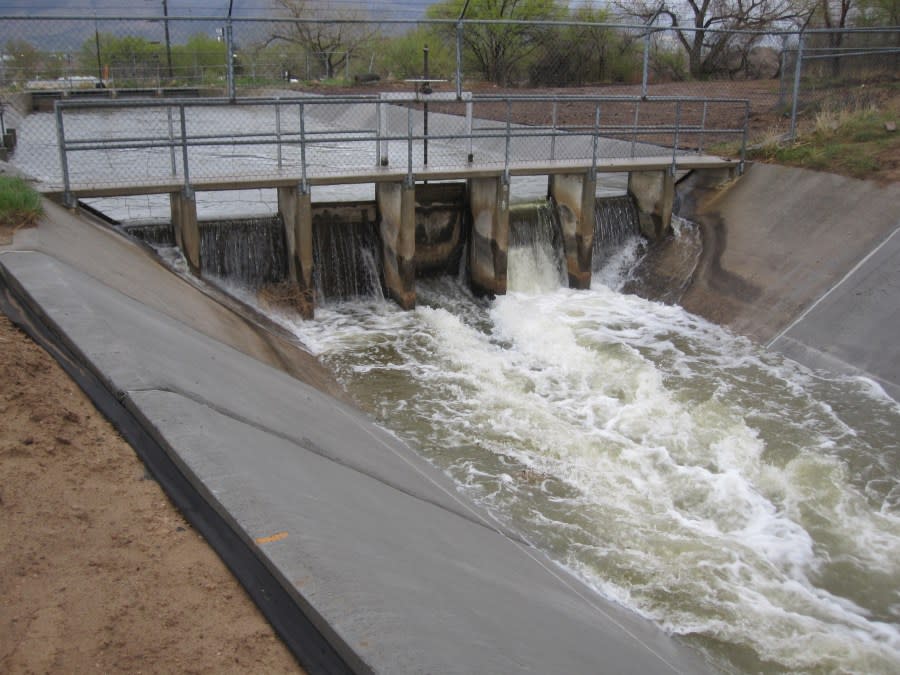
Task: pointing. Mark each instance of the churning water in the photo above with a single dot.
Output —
(726, 493)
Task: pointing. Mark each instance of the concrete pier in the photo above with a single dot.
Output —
(295, 207)
(654, 194)
(489, 240)
(574, 196)
(397, 215)
(187, 231)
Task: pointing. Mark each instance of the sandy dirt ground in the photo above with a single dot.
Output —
(98, 571)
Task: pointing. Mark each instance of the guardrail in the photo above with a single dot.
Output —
(370, 138)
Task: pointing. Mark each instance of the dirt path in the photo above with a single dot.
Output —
(99, 572)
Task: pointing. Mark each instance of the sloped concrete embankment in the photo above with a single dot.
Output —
(804, 262)
(396, 571)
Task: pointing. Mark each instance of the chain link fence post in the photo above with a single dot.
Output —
(798, 68)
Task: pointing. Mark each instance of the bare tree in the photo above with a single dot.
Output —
(701, 25)
(834, 15)
(332, 41)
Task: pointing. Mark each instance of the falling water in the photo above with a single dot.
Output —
(249, 251)
(346, 264)
(155, 234)
(535, 242)
(726, 493)
(618, 243)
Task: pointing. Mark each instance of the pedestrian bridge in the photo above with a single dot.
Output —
(396, 141)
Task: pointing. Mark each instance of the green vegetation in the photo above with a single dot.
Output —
(20, 206)
(852, 141)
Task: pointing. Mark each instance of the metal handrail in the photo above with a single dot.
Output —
(506, 130)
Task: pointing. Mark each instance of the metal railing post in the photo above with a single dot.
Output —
(470, 154)
(63, 157)
(634, 127)
(595, 141)
(508, 132)
(172, 161)
(278, 134)
(744, 138)
(675, 138)
(379, 159)
(459, 37)
(229, 60)
(553, 122)
(798, 67)
(304, 185)
(188, 192)
(409, 147)
(703, 128)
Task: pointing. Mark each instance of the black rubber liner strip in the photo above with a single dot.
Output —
(301, 636)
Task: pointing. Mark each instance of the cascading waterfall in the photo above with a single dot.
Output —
(155, 234)
(536, 256)
(617, 240)
(346, 260)
(250, 251)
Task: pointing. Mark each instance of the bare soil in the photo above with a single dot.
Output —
(100, 573)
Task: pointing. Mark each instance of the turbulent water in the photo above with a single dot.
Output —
(730, 495)
(724, 492)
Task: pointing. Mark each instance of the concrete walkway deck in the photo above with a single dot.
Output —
(399, 572)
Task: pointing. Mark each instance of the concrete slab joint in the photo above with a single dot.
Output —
(183, 208)
(654, 194)
(295, 207)
(396, 203)
(574, 196)
(489, 241)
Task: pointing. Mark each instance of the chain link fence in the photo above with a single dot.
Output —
(781, 74)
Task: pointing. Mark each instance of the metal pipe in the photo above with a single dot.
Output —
(184, 152)
(744, 138)
(459, 37)
(380, 159)
(278, 135)
(506, 157)
(703, 128)
(470, 155)
(637, 114)
(409, 146)
(63, 158)
(595, 139)
(304, 186)
(172, 160)
(553, 122)
(798, 67)
(675, 139)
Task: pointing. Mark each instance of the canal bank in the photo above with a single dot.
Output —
(805, 263)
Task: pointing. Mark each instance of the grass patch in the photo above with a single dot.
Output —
(20, 205)
(852, 141)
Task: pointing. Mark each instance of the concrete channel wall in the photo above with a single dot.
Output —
(806, 263)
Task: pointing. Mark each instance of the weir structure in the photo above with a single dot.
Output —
(294, 145)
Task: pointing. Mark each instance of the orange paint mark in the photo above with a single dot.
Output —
(278, 536)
